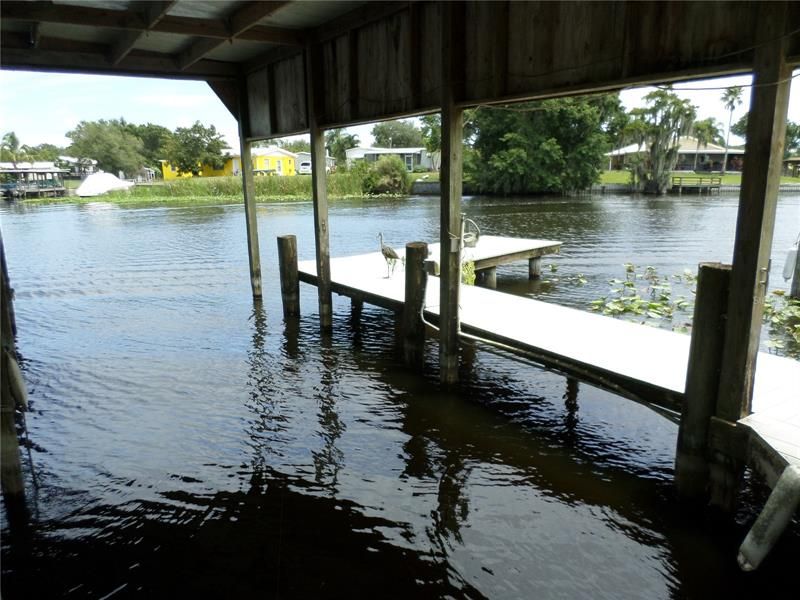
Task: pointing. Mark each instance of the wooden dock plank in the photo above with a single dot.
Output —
(652, 358)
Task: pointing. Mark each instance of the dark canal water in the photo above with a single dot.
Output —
(186, 443)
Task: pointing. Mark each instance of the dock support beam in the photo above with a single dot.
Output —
(249, 192)
(450, 209)
(319, 189)
(702, 380)
(754, 229)
(413, 326)
(290, 281)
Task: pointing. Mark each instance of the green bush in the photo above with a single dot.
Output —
(387, 176)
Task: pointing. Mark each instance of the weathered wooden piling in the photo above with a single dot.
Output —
(249, 192)
(10, 467)
(702, 380)
(290, 283)
(754, 229)
(535, 268)
(319, 190)
(450, 208)
(413, 330)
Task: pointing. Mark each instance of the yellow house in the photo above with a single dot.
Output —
(271, 161)
(266, 161)
(170, 172)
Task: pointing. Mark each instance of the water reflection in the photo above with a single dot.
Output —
(328, 460)
(571, 404)
(238, 454)
(272, 539)
(270, 419)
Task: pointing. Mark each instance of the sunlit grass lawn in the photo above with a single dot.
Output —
(623, 177)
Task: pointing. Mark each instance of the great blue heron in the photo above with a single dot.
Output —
(390, 255)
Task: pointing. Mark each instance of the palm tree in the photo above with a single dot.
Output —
(705, 131)
(10, 147)
(338, 142)
(731, 98)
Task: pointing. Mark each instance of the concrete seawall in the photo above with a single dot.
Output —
(432, 188)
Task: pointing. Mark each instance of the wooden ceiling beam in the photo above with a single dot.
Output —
(152, 13)
(54, 54)
(45, 12)
(237, 22)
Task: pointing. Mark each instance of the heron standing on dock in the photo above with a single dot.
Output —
(390, 255)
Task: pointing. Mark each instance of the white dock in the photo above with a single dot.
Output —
(638, 361)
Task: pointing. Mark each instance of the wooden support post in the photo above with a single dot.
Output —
(487, 278)
(702, 380)
(754, 229)
(756, 217)
(413, 326)
(319, 187)
(10, 467)
(450, 210)
(535, 268)
(290, 282)
(249, 192)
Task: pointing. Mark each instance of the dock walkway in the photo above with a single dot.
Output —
(640, 362)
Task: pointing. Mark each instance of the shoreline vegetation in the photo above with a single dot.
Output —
(346, 185)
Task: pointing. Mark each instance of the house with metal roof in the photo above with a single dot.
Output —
(411, 157)
(692, 156)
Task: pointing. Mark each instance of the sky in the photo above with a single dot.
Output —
(43, 107)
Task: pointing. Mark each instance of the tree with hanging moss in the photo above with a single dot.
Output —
(658, 128)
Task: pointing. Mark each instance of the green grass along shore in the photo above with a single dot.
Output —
(212, 190)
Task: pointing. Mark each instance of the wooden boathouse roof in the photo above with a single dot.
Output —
(381, 59)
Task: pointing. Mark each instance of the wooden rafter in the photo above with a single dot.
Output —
(54, 54)
(238, 23)
(152, 13)
(133, 20)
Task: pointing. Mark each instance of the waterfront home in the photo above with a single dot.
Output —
(266, 161)
(709, 156)
(411, 157)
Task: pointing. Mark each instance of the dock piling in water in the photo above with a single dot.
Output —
(702, 380)
(413, 330)
(290, 283)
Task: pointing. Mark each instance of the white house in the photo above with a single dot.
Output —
(78, 166)
(709, 156)
(411, 157)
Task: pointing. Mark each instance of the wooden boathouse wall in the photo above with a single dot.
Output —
(389, 66)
